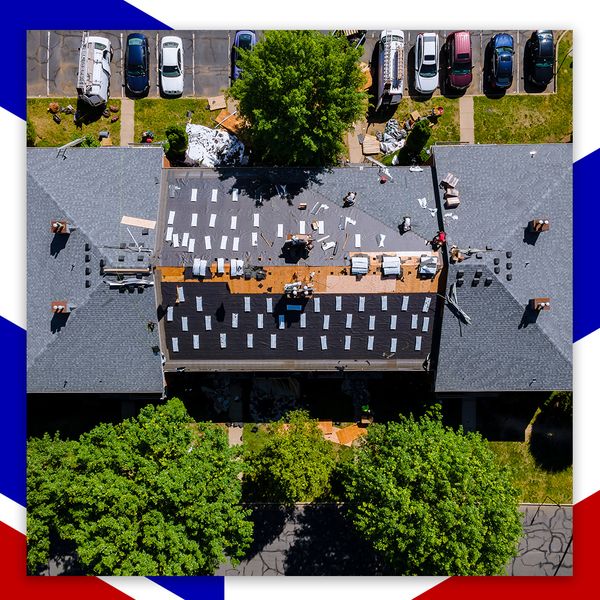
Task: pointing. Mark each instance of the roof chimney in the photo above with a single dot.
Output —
(59, 226)
(61, 307)
(539, 304)
(538, 225)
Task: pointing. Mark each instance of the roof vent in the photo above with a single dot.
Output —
(460, 274)
(61, 307)
(539, 225)
(60, 226)
(539, 304)
(488, 281)
(478, 273)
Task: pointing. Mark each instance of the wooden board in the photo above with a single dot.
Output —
(216, 102)
(370, 145)
(228, 121)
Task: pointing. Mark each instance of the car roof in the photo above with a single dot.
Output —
(462, 42)
(170, 56)
(503, 39)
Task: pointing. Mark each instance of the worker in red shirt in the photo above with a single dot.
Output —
(438, 240)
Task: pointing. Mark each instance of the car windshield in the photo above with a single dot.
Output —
(505, 58)
(461, 70)
(98, 46)
(171, 71)
(170, 45)
(543, 62)
(135, 70)
(136, 42)
(428, 70)
(245, 41)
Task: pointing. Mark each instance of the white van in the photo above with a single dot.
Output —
(93, 78)
(391, 67)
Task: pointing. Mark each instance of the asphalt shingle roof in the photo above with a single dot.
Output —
(104, 346)
(501, 189)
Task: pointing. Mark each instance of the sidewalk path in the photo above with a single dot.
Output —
(355, 155)
(127, 122)
(467, 122)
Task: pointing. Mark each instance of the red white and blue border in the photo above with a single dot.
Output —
(313, 14)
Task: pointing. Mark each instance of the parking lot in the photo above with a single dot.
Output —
(52, 58)
(480, 41)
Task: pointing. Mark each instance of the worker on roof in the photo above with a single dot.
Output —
(438, 240)
(349, 199)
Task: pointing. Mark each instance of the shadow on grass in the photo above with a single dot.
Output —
(551, 443)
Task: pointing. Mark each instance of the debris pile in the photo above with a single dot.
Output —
(393, 137)
(271, 399)
(212, 148)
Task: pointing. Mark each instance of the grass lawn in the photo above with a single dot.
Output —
(530, 118)
(156, 114)
(447, 129)
(51, 134)
(534, 483)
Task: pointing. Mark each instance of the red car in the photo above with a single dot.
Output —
(460, 60)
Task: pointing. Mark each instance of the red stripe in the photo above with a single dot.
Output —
(585, 570)
(16, 584)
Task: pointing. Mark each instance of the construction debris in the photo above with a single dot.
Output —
(393, 138)
(212, 148)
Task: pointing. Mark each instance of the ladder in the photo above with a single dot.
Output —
(387, 60)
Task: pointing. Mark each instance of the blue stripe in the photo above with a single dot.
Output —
(194, 588)
(40, 14)
(12, 417)
(586, 219)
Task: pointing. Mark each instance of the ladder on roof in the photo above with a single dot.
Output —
(399, 63)
(82, 74)
(387, 60)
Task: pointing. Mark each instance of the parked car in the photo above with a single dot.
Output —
(501, 71)
(541, 57)
(171, 65)
(93, 76)
(460, 60)
(244, 40)
(137, 64)
(390, 76)
(426, 62)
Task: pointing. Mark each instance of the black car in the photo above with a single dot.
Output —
(541, 56)
(137, 64)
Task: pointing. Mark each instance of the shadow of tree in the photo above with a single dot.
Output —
(325, 543)
(551, 442)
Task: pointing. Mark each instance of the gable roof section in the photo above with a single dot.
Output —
(501, 189)
(104, 345)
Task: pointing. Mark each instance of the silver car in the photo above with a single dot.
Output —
(171, 65)
(427, 49)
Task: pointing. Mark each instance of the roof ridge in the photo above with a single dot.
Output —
(535, 324)
(84, 233)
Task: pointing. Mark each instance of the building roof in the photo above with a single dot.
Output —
(248, 214)
(506, 346)
(104, 345)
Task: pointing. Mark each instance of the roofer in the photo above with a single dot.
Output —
(349, 199)
(438, 240)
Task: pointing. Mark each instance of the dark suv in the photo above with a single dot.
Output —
(137, 64)
(541, 57)
(460, 57)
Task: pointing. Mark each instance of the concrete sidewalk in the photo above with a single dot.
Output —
(127, 122)
(467, 122)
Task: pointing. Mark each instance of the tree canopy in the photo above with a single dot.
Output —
(433, 501)
(295, 463)
(177, 141)
(299, 93)
(153, 495)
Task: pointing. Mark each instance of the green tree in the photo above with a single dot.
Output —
(299, 93)
(295, 463)
(177, 141)
(433, 501)
(154, 495)
(31, 134)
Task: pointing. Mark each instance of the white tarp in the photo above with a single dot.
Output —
(391, 265)
(428, 265)
(360, 265)
(212, 147)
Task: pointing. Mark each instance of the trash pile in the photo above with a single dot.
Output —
(393, 137)
(212, 147)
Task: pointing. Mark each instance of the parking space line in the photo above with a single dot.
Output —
(482, 59)
(48, 65)
(194, 64)
(122, 65)
(157, 72)
(229, 58)
(518, 54)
